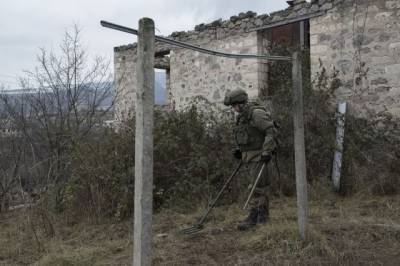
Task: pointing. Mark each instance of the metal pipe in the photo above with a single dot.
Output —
(196, 48)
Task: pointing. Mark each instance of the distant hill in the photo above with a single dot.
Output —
(160, 91)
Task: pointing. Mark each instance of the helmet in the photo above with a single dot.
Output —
(235, 96)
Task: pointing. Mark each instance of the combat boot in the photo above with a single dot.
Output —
(263, 214)
(250, 221)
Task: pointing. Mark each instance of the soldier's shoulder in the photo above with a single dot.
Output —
(260, 115)
(259, 110)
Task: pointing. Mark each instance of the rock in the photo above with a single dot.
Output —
(200, 27)
(217, 23)
(242, 15)
(326, 6)
(258, 22)
(314, 8)
(233, 18)
(251, 14)
(379, 81)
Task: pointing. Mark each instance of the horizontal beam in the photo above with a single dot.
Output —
(161, 53)
(161, 62)
(197, 48)
(289, 21)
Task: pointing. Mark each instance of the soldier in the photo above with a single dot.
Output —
(254, 144)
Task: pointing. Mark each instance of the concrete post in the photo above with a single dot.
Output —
(337, 159)
(144, 144)
(299, 148)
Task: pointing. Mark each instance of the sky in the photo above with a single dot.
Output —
(28, 25)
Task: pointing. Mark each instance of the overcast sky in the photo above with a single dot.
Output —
(27, 25)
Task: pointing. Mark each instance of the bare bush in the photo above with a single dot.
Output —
(60, 103)
(185, 169)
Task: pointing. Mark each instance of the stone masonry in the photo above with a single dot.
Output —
(356, 42)
(202, 75)
(360, 41)
(191, 74)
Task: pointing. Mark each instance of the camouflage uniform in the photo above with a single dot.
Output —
(254, 138)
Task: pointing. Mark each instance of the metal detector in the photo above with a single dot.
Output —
(199, 225)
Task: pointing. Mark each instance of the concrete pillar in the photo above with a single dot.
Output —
(144, 144)
(337, 159)
(299, 147)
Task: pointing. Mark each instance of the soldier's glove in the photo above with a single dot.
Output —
(237, 153)
(266, 156)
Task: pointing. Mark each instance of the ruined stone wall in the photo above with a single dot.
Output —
(195, 75)
(360, 42)
(125, 58)
(356, 43)
(124, 82)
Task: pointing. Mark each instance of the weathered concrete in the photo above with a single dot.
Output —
(144, 145)
(299, 146)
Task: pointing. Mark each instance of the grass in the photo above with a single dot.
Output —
(359, 230)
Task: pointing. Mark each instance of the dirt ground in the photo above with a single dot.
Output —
(357, 230)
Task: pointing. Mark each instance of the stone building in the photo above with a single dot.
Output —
(357, 42)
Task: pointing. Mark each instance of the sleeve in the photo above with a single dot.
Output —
(263, 122)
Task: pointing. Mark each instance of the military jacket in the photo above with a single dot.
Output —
(254, 129)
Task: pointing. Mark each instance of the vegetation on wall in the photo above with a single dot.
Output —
(371, 144)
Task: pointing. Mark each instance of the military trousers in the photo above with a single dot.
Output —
(248, 175)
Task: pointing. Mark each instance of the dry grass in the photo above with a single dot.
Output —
(343, 231)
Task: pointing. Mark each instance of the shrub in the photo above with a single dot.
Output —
(192, 152)
(192, 155)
